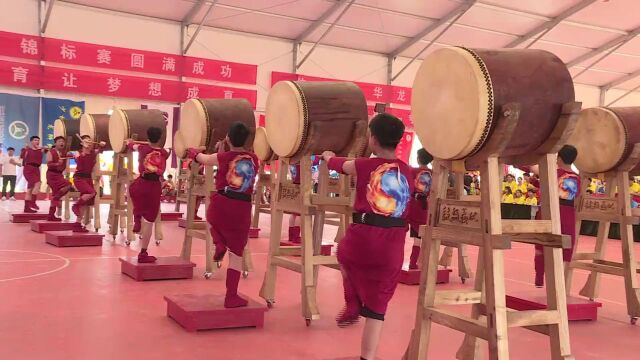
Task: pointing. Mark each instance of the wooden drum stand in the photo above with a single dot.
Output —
(606, 210)
(263, 184)
(121, 210)
(479, 224)
(292, 198)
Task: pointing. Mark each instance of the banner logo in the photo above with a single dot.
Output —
(18, 129)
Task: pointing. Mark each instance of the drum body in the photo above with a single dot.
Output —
(68, 129)
(96, 126)
(306, 118)
(461, 91)
(133, 124)
(604, 137)
(204, 122)
(261, 146)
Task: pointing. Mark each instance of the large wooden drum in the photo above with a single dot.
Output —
(133, 124)
(204, 122)
(261, 146)
(306, 118)
(68, 129)
(604, 137)
(458, 94)
(96, 126)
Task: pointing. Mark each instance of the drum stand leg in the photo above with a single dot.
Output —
(157, 229)
(268, 289)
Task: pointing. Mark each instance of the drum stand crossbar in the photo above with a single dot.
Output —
(291, 198)
(479, 224)
(198, 185)
(606, 210)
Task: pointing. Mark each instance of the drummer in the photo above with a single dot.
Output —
(229, 212)
(568, 190)
(31, 157)
(145, 191)
(418, 207)
(372, 251)
(83, 181)
(56, 165)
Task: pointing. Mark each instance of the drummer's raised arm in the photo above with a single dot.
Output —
(131, 145)
(339, 164)
(204, 159)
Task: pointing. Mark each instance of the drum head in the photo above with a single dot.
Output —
(599, 137)
(59, 129)
(118, 130)
(451, 103)
(261, 145)
(285, 118)
(193, 117)
(88, 126)
(178, 145)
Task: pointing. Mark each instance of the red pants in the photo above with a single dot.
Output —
(230, 220)
(85, 187)
(145, 197)
(58, 184)
(32, 175)
(567, 227)
(371, 258)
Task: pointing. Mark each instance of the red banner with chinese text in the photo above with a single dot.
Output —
(20, 74)
(111, 57)
(89, 82)
(204, 91)
(20, 46)
(220, 70)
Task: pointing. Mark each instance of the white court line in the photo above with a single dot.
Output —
(66, 263)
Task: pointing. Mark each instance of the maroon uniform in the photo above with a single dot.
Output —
(418, 206)
(568, 190)
(82, 178)
(32, 159)
(229, 211)
(145, 191)
(55, 179)
(371, 253)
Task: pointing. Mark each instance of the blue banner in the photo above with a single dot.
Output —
(54, 109)
(18, 120)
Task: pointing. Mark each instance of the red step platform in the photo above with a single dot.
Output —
(412, 277)
(577, 308)
(165, 268)
(23, 218)
(254, 233)
(69, 238)
(41, 226)
(183, 222)
(207, 312)
(170, 216)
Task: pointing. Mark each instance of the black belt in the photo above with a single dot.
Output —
(235, 195)
(150, 176)
(55, 171)
(422, 198)
(566, 202)
(378, 220)
(82, 175)
(34, 164)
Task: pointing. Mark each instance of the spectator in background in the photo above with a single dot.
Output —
(9, 162)
(531, 198)
(507, 195)
(519, 198)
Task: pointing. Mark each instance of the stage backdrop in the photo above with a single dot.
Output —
(53, 109)
(18, 120)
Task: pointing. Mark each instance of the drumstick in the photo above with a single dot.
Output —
(91, 141)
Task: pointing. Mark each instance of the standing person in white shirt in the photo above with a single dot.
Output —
(9, 163)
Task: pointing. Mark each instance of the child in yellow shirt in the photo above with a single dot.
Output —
(507, 195)
(519, 198)
(531, 198)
